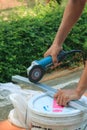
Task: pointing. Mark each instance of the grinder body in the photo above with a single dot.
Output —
(47, 61)
(38, 67)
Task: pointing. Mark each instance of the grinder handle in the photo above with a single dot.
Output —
(47, 61)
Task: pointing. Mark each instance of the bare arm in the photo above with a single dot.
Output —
(82, 85)
(65, 95)
(72, 13)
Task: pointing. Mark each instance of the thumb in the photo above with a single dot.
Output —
(45, 54)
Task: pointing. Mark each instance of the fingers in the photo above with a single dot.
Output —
(45, 54)
(65, 95)
(54, 57)
(53, 51)
(54, 60)
(61, 98)
(55, 65)
(62, 101)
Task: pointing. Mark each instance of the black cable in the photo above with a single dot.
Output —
(78, 51)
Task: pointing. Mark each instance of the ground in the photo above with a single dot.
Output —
(60, 73)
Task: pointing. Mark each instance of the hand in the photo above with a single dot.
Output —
(63, 96)
(53, 51)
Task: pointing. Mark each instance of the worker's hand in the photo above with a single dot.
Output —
(63, 96)
(53, 51)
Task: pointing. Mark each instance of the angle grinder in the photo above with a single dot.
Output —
(38, 67)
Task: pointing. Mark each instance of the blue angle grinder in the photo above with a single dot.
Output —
(38, 67)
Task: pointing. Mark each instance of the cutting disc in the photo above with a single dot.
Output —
(36, 73)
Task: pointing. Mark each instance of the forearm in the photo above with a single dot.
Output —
(82, 85)
(72, 12)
